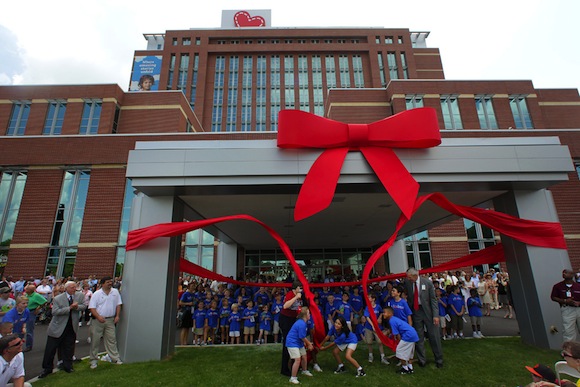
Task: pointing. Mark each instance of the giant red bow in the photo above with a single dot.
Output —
(417, 128)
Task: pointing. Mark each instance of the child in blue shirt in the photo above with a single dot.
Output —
(345, 310)
(370, 333)
(442, 302)
(330, 310)
(474, 307)
(265, 326)
(356, 303)
(199, 321)
(344, 340)
(212, 317)
(235, 322)
(456, 304)
(297, 343)
(249, 316)
(277, 306)
(399, 305)
(406, 335)
(225, 312)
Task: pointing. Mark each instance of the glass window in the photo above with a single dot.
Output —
(392, 63)
(289, 79)
(485, 112)
(218, 94)
(330, 71)
(186, 41)
(419, 250)
(199, 248)
(183, 73)
(274, 91)
(413, 101)
(91, 116)
(478, 236)
(54, 117)
(520, 112)
(388, 40)
(18, 118)
(193, 89)
(357, 67)
(382, 69)
(124, 227)
(247, 77)
(404, 66)
(450, 110)
(400, 40)
(12, 185)
(344, 71)
(68, 223)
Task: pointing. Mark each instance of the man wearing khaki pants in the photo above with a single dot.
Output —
(105, 307)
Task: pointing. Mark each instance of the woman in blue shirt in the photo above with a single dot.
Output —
(344, 339)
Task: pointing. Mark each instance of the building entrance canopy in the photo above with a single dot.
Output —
(254, 177)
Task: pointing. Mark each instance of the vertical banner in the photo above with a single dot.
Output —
(145, 75)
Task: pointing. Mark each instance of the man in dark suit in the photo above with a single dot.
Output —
(62, 331)
(423, 302)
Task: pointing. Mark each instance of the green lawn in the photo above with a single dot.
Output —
(468, 362)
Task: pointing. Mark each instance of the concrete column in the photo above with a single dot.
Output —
(534, 270)
(227, 259)
(147, 326)
(398, 257)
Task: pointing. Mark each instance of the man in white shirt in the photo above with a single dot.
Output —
(44, 289)
(12, 362)
(105, 307)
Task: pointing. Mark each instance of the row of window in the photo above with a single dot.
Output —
(388, 40)
(185, 41)
(55, 117)
(287, 41)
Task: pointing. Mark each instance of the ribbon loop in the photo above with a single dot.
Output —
(416, 128)
(358, 135)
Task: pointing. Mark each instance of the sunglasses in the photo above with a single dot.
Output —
(565, 354)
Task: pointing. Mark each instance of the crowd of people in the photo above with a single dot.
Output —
(438, 304)
(65, 304)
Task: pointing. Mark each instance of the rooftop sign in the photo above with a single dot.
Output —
(251, 18)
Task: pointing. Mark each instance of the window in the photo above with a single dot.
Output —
(377, 39)
(357, 69)
(419, 251)
(218, 94)
(186, 41)
(303, 98)
(197, 41)
(116, 118)
(235, 42)
(199, 248)
(413, 101)
(174, 41)
(193, 89)
(288, 41)
(330, 71)
(261, 78)
(315, 41)
(344, 71)
(341, 41)
(261, 41)
(520, 112)
(183, 73)
(11, 190)
(485, 112)
(54, 117)
(275, 41)
(404, 66)
(248, 42)
(478, 238)
(231, 114)
(68, 222)
(289, 91)
(247, 101)
(317, 85)
(382, 69)
(450, 110)
(400, 40)
(327, 40)
(392, 63)
(124, 228)
(221, 42)
(302, 41)
(91, 116)
(274, 91)
(171, 72)
(18, 118)
(355, 41)
(388, 40)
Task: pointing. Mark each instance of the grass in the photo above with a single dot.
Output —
(487, 362)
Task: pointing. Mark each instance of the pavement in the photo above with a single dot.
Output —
(492, 326)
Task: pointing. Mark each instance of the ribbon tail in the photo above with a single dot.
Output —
(318, 189)
(396, 179)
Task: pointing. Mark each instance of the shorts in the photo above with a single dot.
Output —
(342, 347)
(296, 353)
(265, 332)
(475, 320)
(198, 331)
(249, 330)
(234, 333)
(276, 328)
(405, 350)
(369, 334)
(457, 323)
(442, 322)
(355, 319)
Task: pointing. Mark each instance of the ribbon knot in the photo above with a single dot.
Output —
(358, 135)
(416, 128)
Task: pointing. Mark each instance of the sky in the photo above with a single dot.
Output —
(78, 42)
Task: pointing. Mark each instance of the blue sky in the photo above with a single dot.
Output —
(64, 42)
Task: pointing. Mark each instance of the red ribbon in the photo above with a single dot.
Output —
(416, 128)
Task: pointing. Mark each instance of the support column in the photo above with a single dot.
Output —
(534, 270)
(227, 259)
(398, 257)
(147, 326)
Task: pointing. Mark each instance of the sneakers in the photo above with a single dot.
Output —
(340, 369)
(106, 358)
(317, 368)
(384, 360)
(481, 336)
(89, 339)
(94, 365)
(400, 364)
(294, 380)
(371, 358)
(476, 335)
(360, 373)
(307, 373)
(405, 371)
(118, 362)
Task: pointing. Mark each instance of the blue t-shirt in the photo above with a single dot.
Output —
(296, 334)
(199, 316)
(252, 313)
(329, 309)
(187, 297)
(212, 316)
(474, 306)
(442, 302)
(457, 301)
(356, 302)
(342, 338)
(400, 308)
(400, 327)
(261, 298)
(18, 320)
(346, 310)
(377, 310)
(225, 312)
(234, 322)
(265, 319)
(276, 308)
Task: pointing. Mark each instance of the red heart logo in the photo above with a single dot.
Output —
(243, 19)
